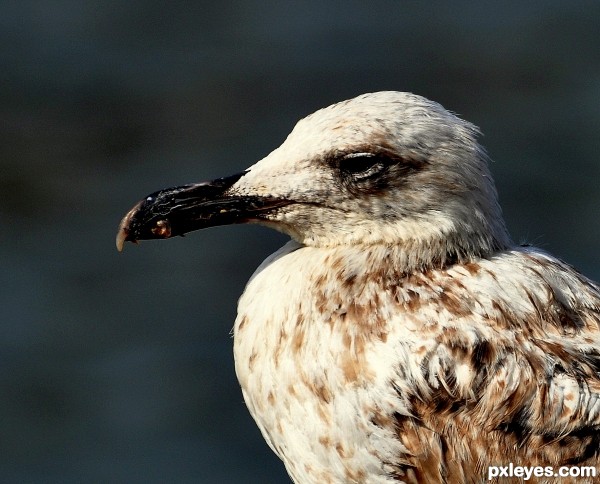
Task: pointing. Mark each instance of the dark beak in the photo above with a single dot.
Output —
(179, 210)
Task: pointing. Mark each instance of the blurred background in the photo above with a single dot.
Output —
(118, 367)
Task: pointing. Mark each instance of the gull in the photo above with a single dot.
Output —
(400, 335)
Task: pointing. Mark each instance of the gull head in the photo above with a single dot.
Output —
(388, 168)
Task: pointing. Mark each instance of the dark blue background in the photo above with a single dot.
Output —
(118, 367)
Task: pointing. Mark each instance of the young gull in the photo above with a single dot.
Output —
(400, 335)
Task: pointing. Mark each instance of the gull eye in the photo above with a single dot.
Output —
(361, 165)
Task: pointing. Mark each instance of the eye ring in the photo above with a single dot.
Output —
(361, 165)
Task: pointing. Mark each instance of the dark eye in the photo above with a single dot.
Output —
(361, 165)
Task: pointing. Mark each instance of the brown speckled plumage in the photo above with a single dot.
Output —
(402, 336)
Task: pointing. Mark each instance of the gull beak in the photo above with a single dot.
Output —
(179, 210)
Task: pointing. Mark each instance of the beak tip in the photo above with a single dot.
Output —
(123, 232)
(121, 237)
